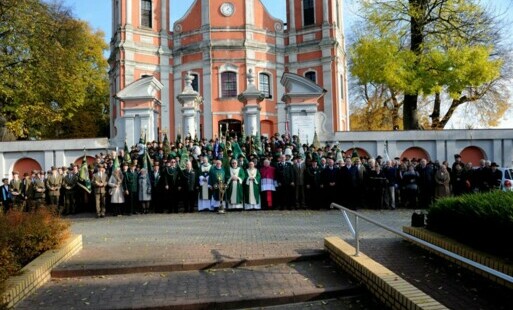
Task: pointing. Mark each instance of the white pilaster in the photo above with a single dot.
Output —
(129, 12)
(208, 126)
(328, 98)
(325, 12)
(292, 22)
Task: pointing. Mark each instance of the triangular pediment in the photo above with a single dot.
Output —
(144, 88)
(297, 85)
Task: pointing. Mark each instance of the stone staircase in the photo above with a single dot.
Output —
(274, 283)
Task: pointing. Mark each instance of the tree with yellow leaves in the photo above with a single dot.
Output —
(447, 52)
(53, 72)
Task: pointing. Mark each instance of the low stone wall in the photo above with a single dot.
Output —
(37, 272)
(465, 251)
(384, 284)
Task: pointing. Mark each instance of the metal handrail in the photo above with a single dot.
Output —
(356, 235)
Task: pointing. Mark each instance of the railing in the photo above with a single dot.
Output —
(355, 231)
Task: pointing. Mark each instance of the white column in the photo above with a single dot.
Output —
(2, 166)
(251, 119)
(189, 121)
(48, 160)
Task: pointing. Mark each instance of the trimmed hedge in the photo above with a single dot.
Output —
(481, 220)
(24, 236)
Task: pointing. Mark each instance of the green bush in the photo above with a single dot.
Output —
(24, 236)
(481, 220)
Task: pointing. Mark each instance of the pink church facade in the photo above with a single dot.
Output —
(218, 42)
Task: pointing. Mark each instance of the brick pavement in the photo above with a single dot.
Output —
(205, 237)
(211, 287)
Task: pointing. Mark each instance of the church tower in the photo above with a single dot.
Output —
(316, 51)
(139, 48)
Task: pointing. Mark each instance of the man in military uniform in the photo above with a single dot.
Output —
(69, 183)
(15, 187)
(130, 187)
(53, 184)
(172, 184)
(99, 183)
(39, 189)
(26, 191)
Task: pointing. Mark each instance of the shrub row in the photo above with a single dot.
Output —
(24, 236)
(481, 220)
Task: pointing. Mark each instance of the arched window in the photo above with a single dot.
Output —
(228, 84)
(146, 9)
(264, 83)
(308, 12)
(312, 76)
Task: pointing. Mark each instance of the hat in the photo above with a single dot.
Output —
(494, 164)
(15, 172)
(26, 174)
(379, 157)
(457, 156)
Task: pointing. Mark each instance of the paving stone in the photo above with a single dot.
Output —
(207, 238)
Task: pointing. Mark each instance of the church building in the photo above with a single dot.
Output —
(227, 66)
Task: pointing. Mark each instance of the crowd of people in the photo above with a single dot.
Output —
(251, 174)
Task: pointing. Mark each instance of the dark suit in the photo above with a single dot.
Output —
(329, 182)
(299, 182)
(5, 197)
(313, 187)
(190, 185)
(172, 180)
(157, 188)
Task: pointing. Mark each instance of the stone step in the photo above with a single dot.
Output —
(363, 301)
(228, 288)
(70, 270)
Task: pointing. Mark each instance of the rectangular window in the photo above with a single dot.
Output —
(264, 85)
(308, 12)
(146, 13)
(228, 84)
(195, 82)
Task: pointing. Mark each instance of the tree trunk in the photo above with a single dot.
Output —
(435, 116)
(395, 112)
(417, 23)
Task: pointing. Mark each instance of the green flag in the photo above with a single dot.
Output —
(237, 150)
(83, 176)
(126, 158)
(354, 155)
(147, 161)
(115, 165)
